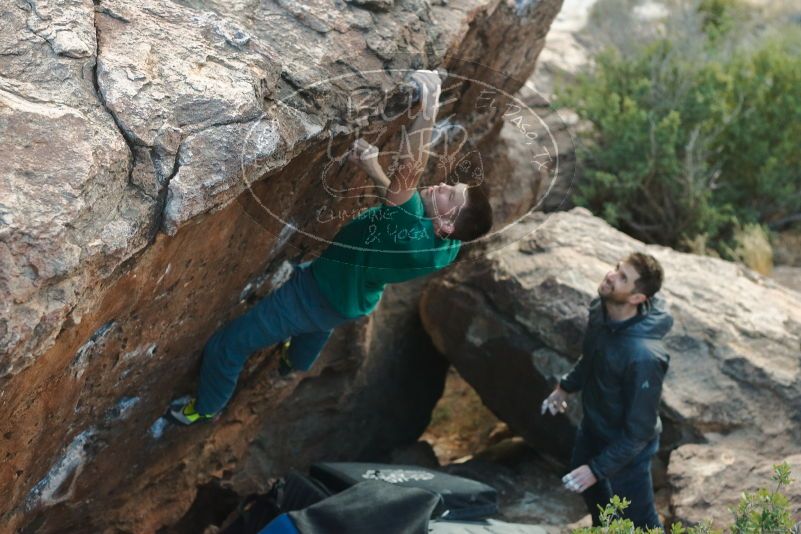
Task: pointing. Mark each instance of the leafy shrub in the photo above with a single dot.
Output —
(765, 510)
(694, 130)
(613, 522)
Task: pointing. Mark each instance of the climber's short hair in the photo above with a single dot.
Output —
(475, 217)
(651, 273)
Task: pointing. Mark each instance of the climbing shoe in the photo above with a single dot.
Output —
(284, 364)
(187, 415)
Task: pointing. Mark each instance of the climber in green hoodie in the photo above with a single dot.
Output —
(412, 233)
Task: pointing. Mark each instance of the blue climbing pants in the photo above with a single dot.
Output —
(296, 310)
(632, 482)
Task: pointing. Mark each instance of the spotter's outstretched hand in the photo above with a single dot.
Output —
(579, 479)
(556, 402)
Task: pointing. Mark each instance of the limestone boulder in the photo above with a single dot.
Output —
(788, 276)
(64, 193)
(709, 480)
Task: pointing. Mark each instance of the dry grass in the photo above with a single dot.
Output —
(753, 248)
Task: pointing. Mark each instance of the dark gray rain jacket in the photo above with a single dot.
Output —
(620, 376)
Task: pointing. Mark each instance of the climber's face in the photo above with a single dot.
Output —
(619, 285)
(442, 203)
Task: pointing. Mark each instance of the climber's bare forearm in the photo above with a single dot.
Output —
(419, 137)
(415, 143)
(365, 156)
(412, 159)
(380, 180)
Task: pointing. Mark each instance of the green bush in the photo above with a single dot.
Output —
(694, 130)
(765, 510)
(762, 511)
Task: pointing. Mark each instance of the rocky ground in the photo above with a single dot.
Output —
(460, 423)
(470, 441)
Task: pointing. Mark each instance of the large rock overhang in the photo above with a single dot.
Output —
(161, 151)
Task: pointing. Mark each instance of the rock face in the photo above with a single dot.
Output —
(788, 276)
(169, 158)
(708, 478)
(517, 315)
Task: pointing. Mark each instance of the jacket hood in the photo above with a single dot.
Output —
(653, 320)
